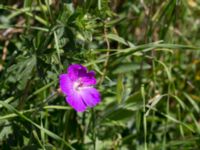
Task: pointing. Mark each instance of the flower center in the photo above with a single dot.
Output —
(77, 85)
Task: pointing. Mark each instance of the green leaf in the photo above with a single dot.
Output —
(120, 40)
(48, 132)
(127, 67)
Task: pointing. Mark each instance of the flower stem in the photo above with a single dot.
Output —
(94, 130)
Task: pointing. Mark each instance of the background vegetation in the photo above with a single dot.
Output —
(147, 62)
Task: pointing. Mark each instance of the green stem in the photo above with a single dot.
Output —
(93, 128)
(144, 117)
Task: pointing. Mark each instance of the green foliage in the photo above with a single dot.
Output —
(146, 58)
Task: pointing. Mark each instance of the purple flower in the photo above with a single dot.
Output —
(77, 85)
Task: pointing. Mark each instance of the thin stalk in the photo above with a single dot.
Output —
(144, 118)
(93, 129)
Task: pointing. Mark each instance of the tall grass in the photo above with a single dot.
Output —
(146, 58)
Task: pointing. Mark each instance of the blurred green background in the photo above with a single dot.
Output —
(146, 55)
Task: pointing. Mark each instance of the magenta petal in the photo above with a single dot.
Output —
(76, 101)
(66, 84)
(75, 71)
(91, 73)
(90, 96)
(89, 79)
